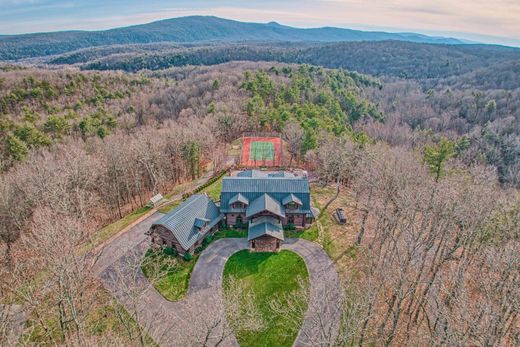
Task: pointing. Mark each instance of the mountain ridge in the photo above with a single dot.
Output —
(192, 29)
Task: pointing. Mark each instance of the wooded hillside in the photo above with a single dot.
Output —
(427, 169)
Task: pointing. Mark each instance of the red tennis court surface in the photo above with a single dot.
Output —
(261, 151)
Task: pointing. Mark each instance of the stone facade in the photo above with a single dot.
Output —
(298, 219)
(162, 237)
(265, 243)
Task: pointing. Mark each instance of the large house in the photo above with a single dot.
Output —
(185, 227)
(264, 202)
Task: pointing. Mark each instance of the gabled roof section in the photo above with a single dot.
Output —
(239, 198)
(183, 220)
(265, 203)
(200, 222)
(291, 198)
(265, 226)
(265, 185)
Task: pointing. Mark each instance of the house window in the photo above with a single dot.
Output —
(292, 206)
(290, 220)
(253, 244)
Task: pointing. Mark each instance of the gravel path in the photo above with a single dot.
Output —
(200, 318)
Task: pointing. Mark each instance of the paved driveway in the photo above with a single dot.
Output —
(125, 243)
(199, 319)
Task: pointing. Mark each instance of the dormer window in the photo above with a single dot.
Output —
(291, 206)
(200, 224)
(292, 202)
(238, 201)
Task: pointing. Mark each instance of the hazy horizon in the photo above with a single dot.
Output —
(476, 21)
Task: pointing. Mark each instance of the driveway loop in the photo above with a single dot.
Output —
(168, 323)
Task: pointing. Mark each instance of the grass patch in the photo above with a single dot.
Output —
(214, 189)
(230, 233)
(169, 206)
(180, 188)
(310, 234)
(112, 229)
(170, 275)
(268, 276)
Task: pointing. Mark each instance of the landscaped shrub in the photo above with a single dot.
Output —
(199, 249)
(240, 225)
(187, 256)
(170, 251)
(290, 226)
(207, 240)
(205, 185)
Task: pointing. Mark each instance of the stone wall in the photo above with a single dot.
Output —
(265, 244)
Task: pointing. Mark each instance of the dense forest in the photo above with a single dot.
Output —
(385, 58)
(423, 141)
(189, 30)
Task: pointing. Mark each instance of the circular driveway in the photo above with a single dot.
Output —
(204, 301)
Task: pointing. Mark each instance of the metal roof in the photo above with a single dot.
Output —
(265, 203)
(265, 185)
(265, 226)
(278, 188)
(239, 198)
(183, 220)
(264, 174)
(200, 222)
(291, 198)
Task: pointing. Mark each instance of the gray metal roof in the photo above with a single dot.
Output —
(184, 219)
(277, 187)
(265, 226)
(291, 198)
(265, 203)
(265, 185)
(238, 198)
(264, 174)
(200, 222)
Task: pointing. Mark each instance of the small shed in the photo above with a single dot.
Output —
(340, 216)
(155, 200)
(265, 234)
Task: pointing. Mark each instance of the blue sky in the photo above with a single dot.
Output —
(492, 21)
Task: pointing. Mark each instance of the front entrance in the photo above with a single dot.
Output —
(265, 243)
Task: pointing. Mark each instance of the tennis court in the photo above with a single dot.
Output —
(261, 151)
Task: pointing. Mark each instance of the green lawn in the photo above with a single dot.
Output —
(310, 234)
(230, 233)
(269, 276)
(169, 206)
(214, 189)
(169, 274)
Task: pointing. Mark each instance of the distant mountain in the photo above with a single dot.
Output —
(191, 29)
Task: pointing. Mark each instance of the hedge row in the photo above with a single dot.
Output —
(209, 182)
